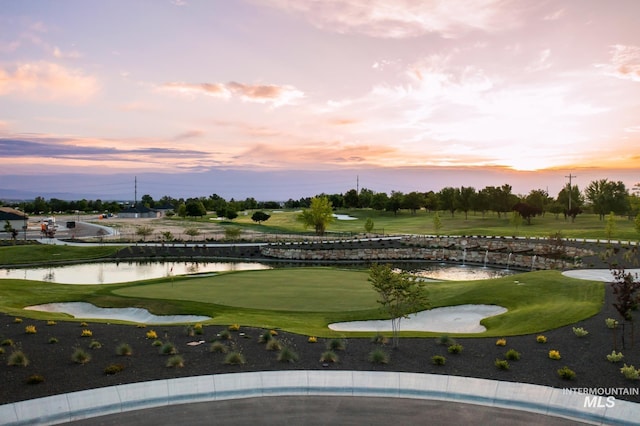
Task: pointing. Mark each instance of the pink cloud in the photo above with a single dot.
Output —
(46, 81)
(405, 18)
(258, 93)
(625, 62)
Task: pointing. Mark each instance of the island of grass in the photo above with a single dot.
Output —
(306, 300)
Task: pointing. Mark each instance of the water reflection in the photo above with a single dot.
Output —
(119, 272)
(456, 272)
(111, 273)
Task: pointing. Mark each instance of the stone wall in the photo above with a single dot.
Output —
(503, 252)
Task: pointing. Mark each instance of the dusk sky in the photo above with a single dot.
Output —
(288, 98)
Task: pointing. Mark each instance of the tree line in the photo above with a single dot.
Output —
(600, 197)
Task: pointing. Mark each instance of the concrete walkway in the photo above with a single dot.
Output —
(390, 388)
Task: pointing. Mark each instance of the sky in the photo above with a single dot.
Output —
(278, 99)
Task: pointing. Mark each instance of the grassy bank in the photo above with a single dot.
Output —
(42, 253)
(297, 299)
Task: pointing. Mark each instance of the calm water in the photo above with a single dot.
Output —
(111, 273)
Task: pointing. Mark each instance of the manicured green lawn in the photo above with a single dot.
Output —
(32, 253)
(297, 300)
(585, 226)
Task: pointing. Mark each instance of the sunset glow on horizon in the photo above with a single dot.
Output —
(191, 86)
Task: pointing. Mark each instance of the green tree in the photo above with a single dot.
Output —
(610, 226)
(351, 199)
(368, 225)
(516, 219)
(394, 204)
(448, 199)
(379, 201)
(437, 223)
(413, 201)
(606, 196)
(195, 208)
(260, 217)
(8, 228)
(637, 223)
(466, 196)
(319, 215)
(399, 295)
(182, 210)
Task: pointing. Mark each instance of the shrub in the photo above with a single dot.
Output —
(198, 329)
(176, 361)
(53, 340)
(615, 356)
(287, 355)
(234, 327)
(157, 343)
(274, 345)
(188, 330)
(18, 359)
(84, 324)
(34, 379)
(265, 337)
(611, 323)
(502, 364)
(86, 333)
(566, 373)
(79, 356)
(630, 372)
(51, 322)
(151, 334)
(512, 355)
(329, 356)
(30, 329)
(168, 348)
(273, 332)
(234, 358)
(336, 345)
(501, 342)
(438, 360)
(379, 339)
(112, 369)
(378, 356)
(580, 332)
(224, 335)
(553, 354)
(7, 342)
(445, 340)
(124, 349)
(454, 349)
(17, 320)
(95, 344)
(312, 339)
(218, 347)
(541, 339)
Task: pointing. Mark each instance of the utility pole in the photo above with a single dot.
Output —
(358, 184)
(135, 192)
(570, 190)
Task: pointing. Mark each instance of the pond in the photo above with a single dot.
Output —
(112, 272)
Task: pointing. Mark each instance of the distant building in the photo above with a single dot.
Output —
(16, 218)
(138, 212)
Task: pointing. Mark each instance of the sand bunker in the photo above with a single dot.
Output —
(603, 275)
(450, 319)
(137, 315)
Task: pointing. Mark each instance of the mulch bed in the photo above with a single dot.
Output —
(585, 355)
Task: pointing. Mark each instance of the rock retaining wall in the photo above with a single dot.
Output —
(522, 254)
